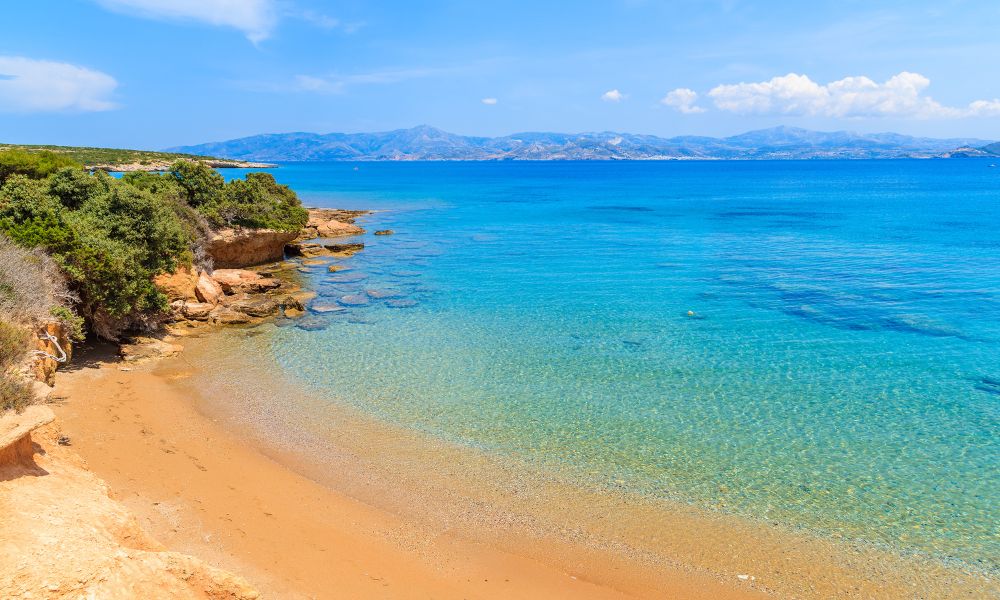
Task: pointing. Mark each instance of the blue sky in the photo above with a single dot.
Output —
(159, 73)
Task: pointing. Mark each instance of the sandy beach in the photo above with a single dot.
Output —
(201, 490)
(379, 524)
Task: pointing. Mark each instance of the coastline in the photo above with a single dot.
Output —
(375, 511)
(202, 489)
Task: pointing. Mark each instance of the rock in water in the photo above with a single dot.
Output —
(353, 300)
(384, 232)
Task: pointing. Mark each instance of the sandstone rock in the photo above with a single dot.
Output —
(207, 290)
(255, 307)
(178, 285)
(234, 281)
(344, 249)
(384, 232)
(231, 248)
(292, 307)
(224, 315)
(337, 228)
(197, 311)
(43, 367)
(336, 268)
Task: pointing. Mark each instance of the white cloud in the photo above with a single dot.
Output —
(985, 108)
(489, 101)
(612, 96)
(255, 18)
(900, 96)
(28, 85)
(338, 84)
(683, 99)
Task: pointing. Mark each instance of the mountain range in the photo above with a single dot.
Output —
(428, 143)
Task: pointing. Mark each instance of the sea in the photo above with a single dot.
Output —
(809, 343)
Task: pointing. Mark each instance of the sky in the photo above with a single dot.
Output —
(160, 73)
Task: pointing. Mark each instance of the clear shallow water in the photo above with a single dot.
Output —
(841, 371)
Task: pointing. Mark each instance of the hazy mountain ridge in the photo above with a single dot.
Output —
(429, 143)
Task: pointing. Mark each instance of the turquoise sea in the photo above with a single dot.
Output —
(811, 343)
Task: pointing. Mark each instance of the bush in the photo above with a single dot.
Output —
(36, 165)
(32, 287)
(258, 202)
(111, 237)
(14, 394)
(201, 184)
(13, 345)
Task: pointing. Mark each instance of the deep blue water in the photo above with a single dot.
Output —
(839, 368)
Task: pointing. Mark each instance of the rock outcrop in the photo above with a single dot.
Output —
(238, 248)
(64, 537)
(330, 222)
(53, 340)
(178, 285)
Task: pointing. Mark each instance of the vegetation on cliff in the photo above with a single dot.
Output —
(102, 156)
(110, 237)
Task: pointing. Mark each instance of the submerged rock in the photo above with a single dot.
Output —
(401, 303)
(380, 294)
(312, 323)
(384, 232)
(353, 300)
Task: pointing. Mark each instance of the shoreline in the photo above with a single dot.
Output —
(200, 488)
(440, 512)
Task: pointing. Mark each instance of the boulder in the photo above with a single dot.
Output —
(337, 229)
(178, 285)
(224, 315)
(207, 290)
(292, 307)
(237, 248)
(255, 307)
(384, 232)
(197, 311)
(335, 268)
(234, 281)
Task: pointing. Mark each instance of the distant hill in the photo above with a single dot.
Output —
(429, 143)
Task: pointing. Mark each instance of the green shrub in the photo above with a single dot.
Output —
(36, 165)
(201, 184)
(258, 202)
(110, 237)
(72, 187)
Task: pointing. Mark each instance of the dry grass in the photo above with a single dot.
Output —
(31, 285)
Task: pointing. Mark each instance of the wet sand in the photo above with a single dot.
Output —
(365, 510)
